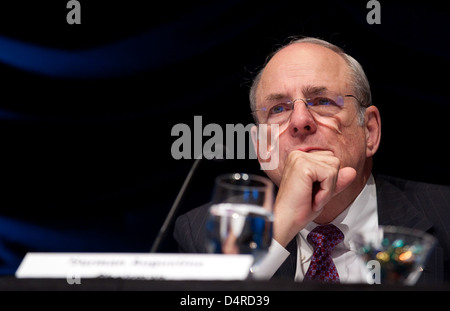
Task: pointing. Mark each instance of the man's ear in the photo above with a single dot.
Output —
(372, 126)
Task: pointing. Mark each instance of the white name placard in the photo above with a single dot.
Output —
(135, 266)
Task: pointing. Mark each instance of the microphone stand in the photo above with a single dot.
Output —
(176, 204)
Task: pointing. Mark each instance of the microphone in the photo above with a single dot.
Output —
(176, 204)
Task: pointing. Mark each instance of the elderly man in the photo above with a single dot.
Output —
(329, 131)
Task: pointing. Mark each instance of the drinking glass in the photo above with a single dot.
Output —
(394, 254)
(240, 218)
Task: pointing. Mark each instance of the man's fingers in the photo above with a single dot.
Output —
(331, 186)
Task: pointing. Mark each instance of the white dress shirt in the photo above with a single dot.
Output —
(361, 216)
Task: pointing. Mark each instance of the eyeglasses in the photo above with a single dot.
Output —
(325, 104)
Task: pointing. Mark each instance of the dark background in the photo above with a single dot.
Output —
(87, 110)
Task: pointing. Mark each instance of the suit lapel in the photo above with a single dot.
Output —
(395, 209)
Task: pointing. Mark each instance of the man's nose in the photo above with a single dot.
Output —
(301, 120)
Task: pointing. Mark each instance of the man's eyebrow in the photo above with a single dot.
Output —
(306, 90)
(275, 96)
(313, 90)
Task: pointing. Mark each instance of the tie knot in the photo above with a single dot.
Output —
(326, 237)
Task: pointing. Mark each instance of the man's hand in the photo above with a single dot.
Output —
(309, 182)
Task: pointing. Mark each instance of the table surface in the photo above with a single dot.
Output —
(10, 283)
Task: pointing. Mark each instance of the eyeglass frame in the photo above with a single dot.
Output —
(306, 101)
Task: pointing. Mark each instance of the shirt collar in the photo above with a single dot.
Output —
(360, 216)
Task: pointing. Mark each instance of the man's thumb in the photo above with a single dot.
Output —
(345, 177)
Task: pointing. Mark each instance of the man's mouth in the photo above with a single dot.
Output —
(312, 149)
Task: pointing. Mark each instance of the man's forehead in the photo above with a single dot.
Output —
(306, 56)
(304, 64)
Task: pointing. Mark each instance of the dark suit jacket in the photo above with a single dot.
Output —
(400, 202)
